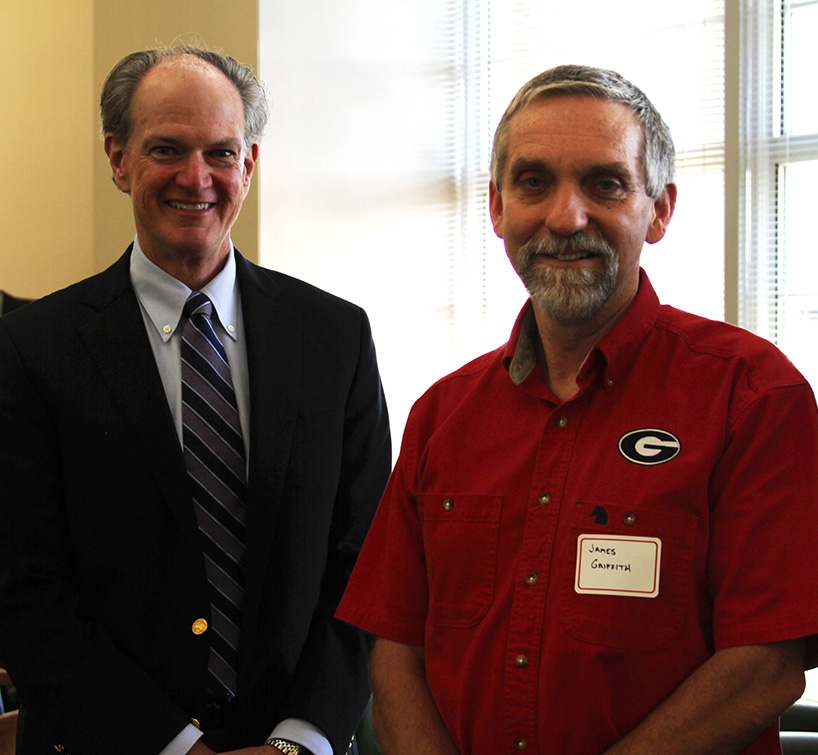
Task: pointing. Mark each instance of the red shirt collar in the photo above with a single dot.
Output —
(609, 357)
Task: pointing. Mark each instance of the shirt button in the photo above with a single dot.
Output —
(520, 743)
(521, 661)
(532, 579)
(199, 626)
(448, 504)
(629, 519)
(561, 422)
(544, 499)
(167, 328)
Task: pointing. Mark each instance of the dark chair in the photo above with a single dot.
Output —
(799, 742)
(801, 716)
(799, 729)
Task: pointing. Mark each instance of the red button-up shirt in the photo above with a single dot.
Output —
(692, 438)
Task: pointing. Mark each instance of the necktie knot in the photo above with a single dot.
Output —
(198, 304)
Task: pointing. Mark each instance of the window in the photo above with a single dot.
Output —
(778, 266)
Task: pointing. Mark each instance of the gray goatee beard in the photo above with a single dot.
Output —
(569, 296)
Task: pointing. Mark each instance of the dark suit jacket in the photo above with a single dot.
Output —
(10, 302)
(101, 570)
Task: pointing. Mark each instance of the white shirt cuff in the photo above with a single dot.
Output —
(295, 729)
(303, 733)
(183, 741)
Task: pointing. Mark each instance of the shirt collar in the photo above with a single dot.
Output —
(163, 297)
(520, 357)
(615, 351)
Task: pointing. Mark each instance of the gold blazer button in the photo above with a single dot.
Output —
(199, 626)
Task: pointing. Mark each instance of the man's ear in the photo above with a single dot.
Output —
(663, 207)
(117, 158)
(496, 209)
(250, 160)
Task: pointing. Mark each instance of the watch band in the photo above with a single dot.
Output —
(288, 747)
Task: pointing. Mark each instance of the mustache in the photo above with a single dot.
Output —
(568, 246)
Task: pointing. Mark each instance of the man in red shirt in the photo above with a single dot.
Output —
(598, 538)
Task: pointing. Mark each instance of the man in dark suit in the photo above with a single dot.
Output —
(106, 623)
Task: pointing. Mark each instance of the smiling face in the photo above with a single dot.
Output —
(185, 165)
(573, 211)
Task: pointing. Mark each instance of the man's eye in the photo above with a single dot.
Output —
(608, 185)
(222, 154)
(162, 151)
(532, 182)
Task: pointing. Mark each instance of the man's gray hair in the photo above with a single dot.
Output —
(658, 156)
(117, 93)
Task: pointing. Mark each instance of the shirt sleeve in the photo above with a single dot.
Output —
(764, 523)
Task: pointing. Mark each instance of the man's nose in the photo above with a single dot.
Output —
(566, 211)
(194, 172)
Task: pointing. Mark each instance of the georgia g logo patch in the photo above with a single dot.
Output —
(649, 446)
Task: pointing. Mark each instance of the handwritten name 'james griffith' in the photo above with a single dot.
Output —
(607, 565)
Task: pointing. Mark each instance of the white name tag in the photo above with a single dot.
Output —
(618, 565)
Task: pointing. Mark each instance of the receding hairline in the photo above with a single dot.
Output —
(190, 62)
(184, 58)
(122, 81)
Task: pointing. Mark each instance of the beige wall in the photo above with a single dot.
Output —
(61, 217)
(46, 185)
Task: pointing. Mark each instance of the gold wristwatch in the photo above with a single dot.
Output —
(288, 747)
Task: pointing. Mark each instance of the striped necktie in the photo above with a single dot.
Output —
(214, 454)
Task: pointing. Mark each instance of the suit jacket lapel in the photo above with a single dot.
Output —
(273, 335)
(116, 340)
